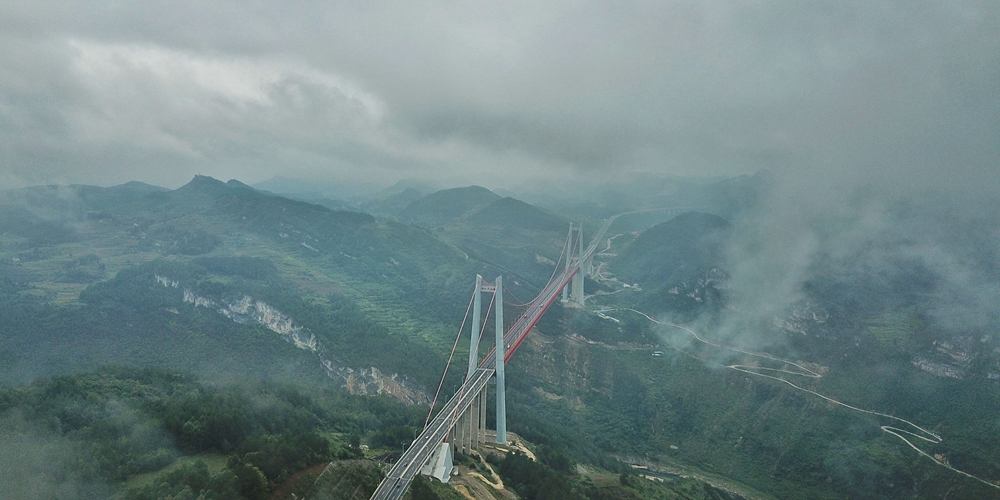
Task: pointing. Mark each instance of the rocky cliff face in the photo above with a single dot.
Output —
(248, 310)
(372, 381)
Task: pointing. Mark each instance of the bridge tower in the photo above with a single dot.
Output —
(471, 437)
(573, 252)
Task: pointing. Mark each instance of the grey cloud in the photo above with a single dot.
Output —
(841, 91)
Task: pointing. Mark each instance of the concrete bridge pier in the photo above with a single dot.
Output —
(469, 430)
(473, 425)
(500, 352)
(482, 415)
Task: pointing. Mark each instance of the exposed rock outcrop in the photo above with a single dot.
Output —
(247, 310)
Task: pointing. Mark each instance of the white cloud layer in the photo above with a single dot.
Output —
(900, 94)
(178, 102)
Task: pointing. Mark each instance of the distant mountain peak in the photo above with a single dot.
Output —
(448, 205)
(139, 186)
(203, 183)
(512, 211)
(233, 183)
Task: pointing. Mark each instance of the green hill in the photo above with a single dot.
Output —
(677, 263)
(231, 284)
(513, 212)
(135, 434)
(340, 275)
(394, 203)
(685, 245)
(447, 205)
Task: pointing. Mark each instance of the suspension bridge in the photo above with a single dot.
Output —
(461, 423)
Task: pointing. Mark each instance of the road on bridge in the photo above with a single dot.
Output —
(409, 464)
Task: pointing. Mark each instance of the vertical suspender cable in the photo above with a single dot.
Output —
(450, 356)
(454, 416)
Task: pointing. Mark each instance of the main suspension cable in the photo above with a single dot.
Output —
(569, 239)
(450, 356)
(515, 304)
(454, 415)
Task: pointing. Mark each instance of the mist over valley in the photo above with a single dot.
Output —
(746, 250)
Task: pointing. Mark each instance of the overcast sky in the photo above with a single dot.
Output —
(870, 91)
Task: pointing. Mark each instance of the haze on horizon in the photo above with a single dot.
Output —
(879, 120)
(884, 93)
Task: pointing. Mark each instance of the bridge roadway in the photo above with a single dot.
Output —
(409, 464)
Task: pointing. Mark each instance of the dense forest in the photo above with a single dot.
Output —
(106, 432)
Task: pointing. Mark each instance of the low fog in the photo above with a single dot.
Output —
(894, 250)
(35, 462)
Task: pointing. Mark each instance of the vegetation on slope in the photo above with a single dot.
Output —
(678, 249)
(608, 393)
(374, 292)
(447, 205)
(516, 213)
(115, 424)
(387, 294)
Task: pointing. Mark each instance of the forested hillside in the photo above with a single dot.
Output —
(114, 271)
(149, 434)
(250, 335)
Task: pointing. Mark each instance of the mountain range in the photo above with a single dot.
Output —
(667, 368)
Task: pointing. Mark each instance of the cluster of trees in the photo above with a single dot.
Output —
(169, 240)
(85, 269)
(195, 481)
(539, 480)
(533, 480)
(125, 422)
(12, 280)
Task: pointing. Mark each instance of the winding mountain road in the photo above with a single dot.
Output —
(915, 432)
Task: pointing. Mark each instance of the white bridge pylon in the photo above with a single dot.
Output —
(573, 252)
(470, 428)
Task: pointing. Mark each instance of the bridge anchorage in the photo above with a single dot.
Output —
(460, 426)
